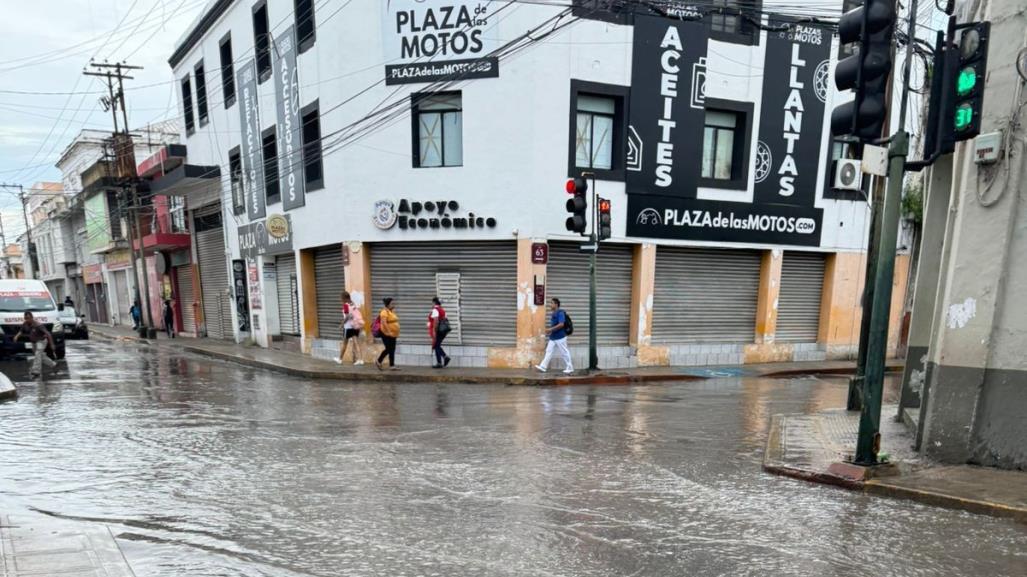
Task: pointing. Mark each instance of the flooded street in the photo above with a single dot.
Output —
(203, 468)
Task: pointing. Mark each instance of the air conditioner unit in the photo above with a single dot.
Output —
(848, 174)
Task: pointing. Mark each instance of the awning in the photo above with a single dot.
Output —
(187, 180)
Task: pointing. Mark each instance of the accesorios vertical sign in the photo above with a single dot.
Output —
(667, 104)
(287, 96)
(792, 115)
(252, 151)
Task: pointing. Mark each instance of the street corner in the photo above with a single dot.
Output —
(819, 447)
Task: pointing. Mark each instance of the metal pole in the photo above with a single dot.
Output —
(869, 439)
(142, 259)
(28, 231)
(593, 347)
(854, 402)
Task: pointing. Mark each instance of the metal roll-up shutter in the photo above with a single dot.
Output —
(487, 305)
(186, 297)
(214, 285)
(567, 279)
(330, 281)
(124, 299)
(288, 297)
(798, 309)
(705, 295)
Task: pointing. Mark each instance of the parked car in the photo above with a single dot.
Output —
(18, 296)
(74, 323)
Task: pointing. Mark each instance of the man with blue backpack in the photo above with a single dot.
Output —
(560, 327)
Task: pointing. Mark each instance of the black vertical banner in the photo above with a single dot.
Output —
(668, 86)
(796, 74)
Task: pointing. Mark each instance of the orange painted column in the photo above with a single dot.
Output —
(531, 318)
(643, 286)
(841, 303)
(770, 292)
(358, 275)
(308, 298)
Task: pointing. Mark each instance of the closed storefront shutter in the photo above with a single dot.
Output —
(567, 279)
(288, 299)
(217, 305)
(186, 297)
(798, 310)
(413, 273)
(330, 279)
(705, 295)
(124, 299)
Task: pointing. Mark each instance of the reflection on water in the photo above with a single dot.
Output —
(203, 468)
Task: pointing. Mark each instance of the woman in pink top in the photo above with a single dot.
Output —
(352, 322)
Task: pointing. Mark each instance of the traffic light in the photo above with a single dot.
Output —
(605, 220)
(968, 86)
(866, 72)
(577, 205)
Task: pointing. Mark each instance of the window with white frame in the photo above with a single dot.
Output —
(593, 143)
(439, 130)
(718, 152)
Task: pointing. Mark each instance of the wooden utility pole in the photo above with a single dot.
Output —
(124, 160)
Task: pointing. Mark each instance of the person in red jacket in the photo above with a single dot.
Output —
(438, 328)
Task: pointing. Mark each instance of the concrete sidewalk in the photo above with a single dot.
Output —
(304, 366)
(28, 549)
(810, 447)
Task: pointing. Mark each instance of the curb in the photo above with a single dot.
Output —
(890, 368)
(400, 377)
(878, 487)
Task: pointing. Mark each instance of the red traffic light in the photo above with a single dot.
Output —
(576, 186)
(604, 205)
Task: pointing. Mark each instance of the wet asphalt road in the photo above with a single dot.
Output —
(203, 468)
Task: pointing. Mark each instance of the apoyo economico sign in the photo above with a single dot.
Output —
(418, 34)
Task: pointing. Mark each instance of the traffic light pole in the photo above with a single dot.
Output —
(593, 347)
(868, 442)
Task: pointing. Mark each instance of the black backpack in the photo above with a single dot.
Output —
(568, 324)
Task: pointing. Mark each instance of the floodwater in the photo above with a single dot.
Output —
(203, 468)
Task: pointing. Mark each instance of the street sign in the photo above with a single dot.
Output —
(539, 253)
(589, 247)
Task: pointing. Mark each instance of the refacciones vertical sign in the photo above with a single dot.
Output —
(252, 151)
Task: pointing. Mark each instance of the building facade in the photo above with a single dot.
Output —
(965, 386)
(410, 149)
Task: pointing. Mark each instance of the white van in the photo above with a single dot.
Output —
(18, 296)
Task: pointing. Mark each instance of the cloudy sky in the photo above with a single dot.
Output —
(44, 98)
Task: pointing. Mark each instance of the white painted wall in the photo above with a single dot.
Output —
(515, 126)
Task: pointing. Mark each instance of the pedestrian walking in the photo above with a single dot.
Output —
(438, 328)
(352, 323)
(559, 327)
(37, 334)
(388, 330)
(137, 315)
(169, 319)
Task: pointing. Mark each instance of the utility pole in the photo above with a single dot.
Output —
(25, 215)
(869, 439)
(124, 159)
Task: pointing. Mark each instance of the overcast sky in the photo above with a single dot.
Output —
(44, 45)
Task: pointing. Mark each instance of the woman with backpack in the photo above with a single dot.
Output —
(386, 326)
(352, 323)
(438, 328)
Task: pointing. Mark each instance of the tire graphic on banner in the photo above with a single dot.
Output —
(821, 79)
(764, 160)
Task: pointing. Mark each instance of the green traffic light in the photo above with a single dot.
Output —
(964, 116)
(966, 81)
